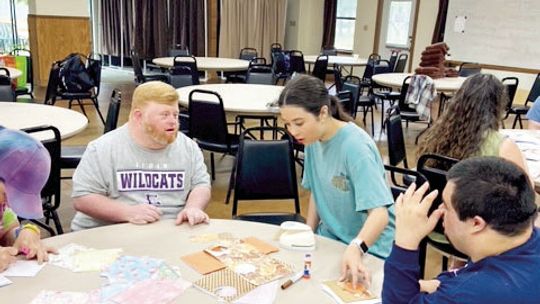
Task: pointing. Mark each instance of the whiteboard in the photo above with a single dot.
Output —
(498, 32)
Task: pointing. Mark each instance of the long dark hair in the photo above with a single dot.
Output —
(310, 94)
(476, 109)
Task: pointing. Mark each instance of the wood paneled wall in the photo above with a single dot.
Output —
(53, 38)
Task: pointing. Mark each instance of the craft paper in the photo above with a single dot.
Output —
(94, 259)
(61, 297)
(4, 281)
(343, 292)
(152, 291)
(264, 294)
(225, 284)
(210, 237)
(202, 262)
(260, 245)
(23, 268)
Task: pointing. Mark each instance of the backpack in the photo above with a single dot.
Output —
(74, 77)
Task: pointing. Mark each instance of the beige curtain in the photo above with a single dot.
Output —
(251, 23)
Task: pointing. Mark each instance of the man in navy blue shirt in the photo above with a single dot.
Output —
(488, 213)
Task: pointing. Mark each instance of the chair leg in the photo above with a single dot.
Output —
(95, 101)
(232, 182)
(212, 167)
(420, 134)
(57, 223)
(515, 121)
(82, 107)
(422, 249)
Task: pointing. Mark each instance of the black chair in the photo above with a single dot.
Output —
(467, 69)
(397, 187)
(179, 50)
(71, 155)
(50, 195)
(393, 59)
(245, 54)
(296, 60)
(368, 71)
(347, 101)
(140, 77)
(320, 67)
(407, 113)
(265, 170)
(281, 65)
(181, 76)
(397, 152)
(353, 84)
(191, 63)
(534, 93)
(274, 47)
(6, 90)
(208, 126)
(434, 168)
(511, 85)
(55, 90)
(260, 75)
(28, 89)
(401, 63)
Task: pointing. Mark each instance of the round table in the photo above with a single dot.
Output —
(13, 72)
(16, 115)
(166, 241)
(338, 60)
(238, 97)
(208, 63)
(395, 80)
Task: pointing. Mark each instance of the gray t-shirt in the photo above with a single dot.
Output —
(115, 166)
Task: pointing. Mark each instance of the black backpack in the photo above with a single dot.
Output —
(74, 76)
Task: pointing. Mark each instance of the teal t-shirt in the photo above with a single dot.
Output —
(346, 178)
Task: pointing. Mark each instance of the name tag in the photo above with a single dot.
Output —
(149, 180)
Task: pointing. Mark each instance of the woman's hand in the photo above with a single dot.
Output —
(7, 256)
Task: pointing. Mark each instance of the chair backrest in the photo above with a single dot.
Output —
(321, 65)
(347, 101)
(435, 167)
(281, 63)
(137, 68)
(297, 63)
(401, 63)
(248, 53)
(382, 66)
(393, 59)
(190, 62)
(352, 83)
(404, 107)
(329, 51)
(535, 90)
(93, 66)
(6, 90)
(51, 191)
(398, 187)
(265, 169)
(372, 60)
(467, 69)
(207, 120)
(397, 152)
(111, 122)
(29, 69)
(274, 47)
(179, 50)
(338, 78)
(260, 75)
(511, 84)
(52, 84)
(181, 76)
(257, 61)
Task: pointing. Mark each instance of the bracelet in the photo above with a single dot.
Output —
(28, 226)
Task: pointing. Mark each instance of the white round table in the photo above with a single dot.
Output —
(395, 80)
(208, 63)
(338, 60)
(528, 142)
(13, 72)
(16, 115)
(166, 241)
(238, 97)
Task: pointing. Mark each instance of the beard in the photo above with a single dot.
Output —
(159, 136)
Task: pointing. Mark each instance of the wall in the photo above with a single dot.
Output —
(427, 16)
(304, 26)
(364, 32)
(56, 29)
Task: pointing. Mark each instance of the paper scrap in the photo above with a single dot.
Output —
(203, 262)
(95, 259)
(61, 297)
(343, 292)
(459, 24)
(4, 281)
(264, 294)
(152, 291)
(23, 268)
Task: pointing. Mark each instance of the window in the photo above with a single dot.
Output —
(399, 17)
(345, 22)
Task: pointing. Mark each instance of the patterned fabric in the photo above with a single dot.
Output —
(420, 94)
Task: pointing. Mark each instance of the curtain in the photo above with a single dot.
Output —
(438, 32)
(253, 23)
(329, 23)
(112, 26)
(186, 25)
(150, 28)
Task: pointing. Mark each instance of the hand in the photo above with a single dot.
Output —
(351, 263)
(141, 214)
(192, 215)
(7, 256)
(412, 222)
(429, 286)
(30, 242)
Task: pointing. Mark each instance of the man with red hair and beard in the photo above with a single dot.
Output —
(143, 171)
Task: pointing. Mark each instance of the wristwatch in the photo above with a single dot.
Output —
(360, 244)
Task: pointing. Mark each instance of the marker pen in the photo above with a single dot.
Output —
(295, 278)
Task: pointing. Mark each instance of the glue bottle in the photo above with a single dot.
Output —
(307, 266)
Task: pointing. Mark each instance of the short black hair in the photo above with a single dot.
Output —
(495, 189)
